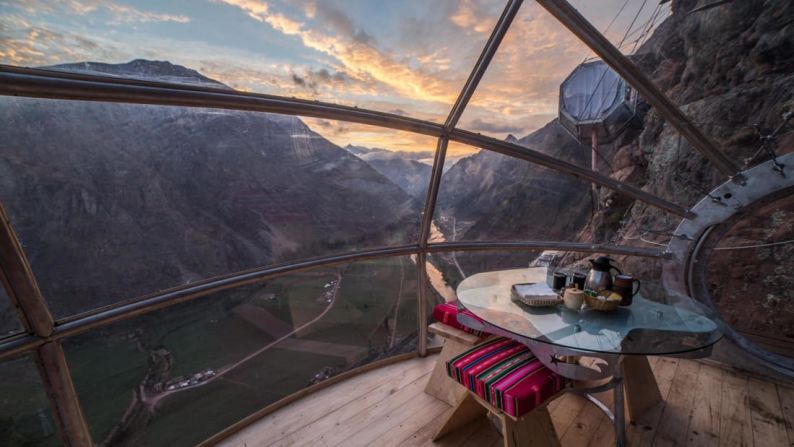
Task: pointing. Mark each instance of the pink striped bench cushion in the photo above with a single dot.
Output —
(506, 374)
(449, 314)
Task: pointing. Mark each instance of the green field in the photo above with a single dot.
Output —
(108, 366)
(25, 418)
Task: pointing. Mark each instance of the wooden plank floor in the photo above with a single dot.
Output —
(704, 406)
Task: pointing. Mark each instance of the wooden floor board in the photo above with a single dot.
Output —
(787, 404)
(704, 424)
(769, 426)
(704, 406)
(642, 431)
(677, 411)
(735, 421)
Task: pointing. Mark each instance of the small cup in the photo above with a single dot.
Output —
(578, 280)
(559, 281)
(573, 298)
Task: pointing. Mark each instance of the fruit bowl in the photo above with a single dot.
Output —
(603, 303)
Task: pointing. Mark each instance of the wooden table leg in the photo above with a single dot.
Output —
(642, 391)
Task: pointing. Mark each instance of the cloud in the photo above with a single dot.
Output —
(474, 16)
(124, 13)
(356, 52)
(119, 13)
(480, 125)
(284, 24)
(338, 21)
(24, 44)
(520, 89)
(343, 133)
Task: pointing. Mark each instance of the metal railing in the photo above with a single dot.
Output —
(43, 335)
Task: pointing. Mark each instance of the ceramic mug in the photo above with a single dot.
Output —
(624, 285)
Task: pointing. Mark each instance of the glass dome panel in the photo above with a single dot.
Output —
(627, 24)
(25, 417)
(9, 321)
(750, 274)
(208, 363)
(404, 58)
(115, 201)
(519, 92)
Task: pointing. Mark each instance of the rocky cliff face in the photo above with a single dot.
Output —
(114, 201)
(729, 68)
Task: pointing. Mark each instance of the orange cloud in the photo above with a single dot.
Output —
(470, 15)
(520, 89)
(361, 60)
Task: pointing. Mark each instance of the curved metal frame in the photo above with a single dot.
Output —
(44, 336)
(683, 272)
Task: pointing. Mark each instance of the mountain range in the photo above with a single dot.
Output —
(114, 201)
(401, 167)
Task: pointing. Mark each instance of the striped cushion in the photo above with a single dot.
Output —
(448, 313)
(506, 374)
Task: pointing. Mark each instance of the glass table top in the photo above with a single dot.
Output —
(658, 322)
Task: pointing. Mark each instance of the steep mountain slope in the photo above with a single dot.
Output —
(402, 168)
(507, 198)
(492, 197)
(114, 201)
(142, 69)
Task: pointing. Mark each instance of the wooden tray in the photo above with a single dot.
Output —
(534, 301)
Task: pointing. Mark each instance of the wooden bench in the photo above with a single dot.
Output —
(440, 385)
(534, 429)
(501, 378)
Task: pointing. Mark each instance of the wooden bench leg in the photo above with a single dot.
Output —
(639, 383)
(440, 385)
(534, 429)
(462, 414)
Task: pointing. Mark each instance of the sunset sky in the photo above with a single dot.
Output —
(404, 57)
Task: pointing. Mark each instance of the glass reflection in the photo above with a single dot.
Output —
(114, 201)
(180, 375)
(25, 417)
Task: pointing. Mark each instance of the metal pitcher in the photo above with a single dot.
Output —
(600, 276)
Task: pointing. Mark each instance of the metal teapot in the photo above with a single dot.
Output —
(600, 277)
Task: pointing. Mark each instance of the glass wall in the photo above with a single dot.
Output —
(25, 417)
(750, 274)
(9, 321)
(405, 58)
(179, 375)
(118, 201)
(114, 201)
